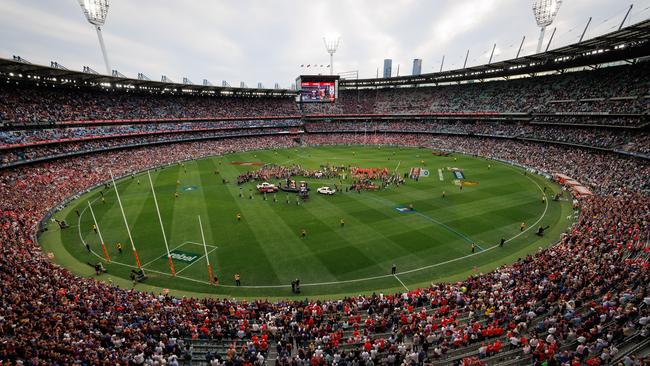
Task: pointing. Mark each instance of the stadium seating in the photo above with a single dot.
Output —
(609, 110)
(612, 90)
(584, 300)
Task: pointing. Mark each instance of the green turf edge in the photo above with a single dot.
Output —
(66, 259)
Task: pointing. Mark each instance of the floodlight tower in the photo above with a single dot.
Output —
(545, 12)
(331, 44)
(96, 11)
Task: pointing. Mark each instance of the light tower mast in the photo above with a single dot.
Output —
(331, 45)
(95, 12)
(545, 12)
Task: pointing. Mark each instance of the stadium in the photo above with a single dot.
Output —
(491, 214)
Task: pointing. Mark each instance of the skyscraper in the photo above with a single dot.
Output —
(417, 66)
(388, 67)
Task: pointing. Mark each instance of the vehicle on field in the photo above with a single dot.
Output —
(291, 185)
(326, 190)
(267, 187)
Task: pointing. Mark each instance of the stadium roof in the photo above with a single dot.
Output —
(21, 69)
(629, 43)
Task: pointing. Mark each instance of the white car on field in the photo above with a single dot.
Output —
(326, 190)
(267, 187)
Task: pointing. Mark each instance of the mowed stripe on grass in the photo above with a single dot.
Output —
(266, 248)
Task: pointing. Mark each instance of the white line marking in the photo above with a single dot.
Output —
(164, 255)
(343, 281)
(207, 245)
(400, 281)
(190, 265)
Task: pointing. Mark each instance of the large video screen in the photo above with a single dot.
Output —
(317, 88)
(318, 91)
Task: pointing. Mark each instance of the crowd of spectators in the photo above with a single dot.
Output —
(590, 120)
(29, 153)
(30, 104)
(22, 136)
(13, 137)
(577, 98)
(615, 106)
(621, 89)
(101, 137)
(634, 141)
(577, 302)
(639, 143)
(494, 128)
(574, 303)
(605, 138)
(611, 90)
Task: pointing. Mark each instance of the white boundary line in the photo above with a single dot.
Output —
(207, 245)
(190, 265)
(155, 259)
(400, 281)
(176, 247)
(342, 281)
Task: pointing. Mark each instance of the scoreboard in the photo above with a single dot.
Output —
(317, 88)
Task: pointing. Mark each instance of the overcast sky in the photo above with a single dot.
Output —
(268, 40)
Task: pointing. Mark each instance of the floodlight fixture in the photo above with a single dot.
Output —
(545, 12)
(331, 45)
(95, 12)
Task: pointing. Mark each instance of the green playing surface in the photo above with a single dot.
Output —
(432, 243)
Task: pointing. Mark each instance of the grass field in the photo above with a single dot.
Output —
(433, 243)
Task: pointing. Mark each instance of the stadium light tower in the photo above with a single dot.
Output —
(96, 11)
(331, 45)
(545, 12)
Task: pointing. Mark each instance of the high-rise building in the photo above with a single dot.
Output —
(417, 66)
(388, 67)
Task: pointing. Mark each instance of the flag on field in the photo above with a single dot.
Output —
(414, 173)
(458, 174)
(469, 183)
(424, 173)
